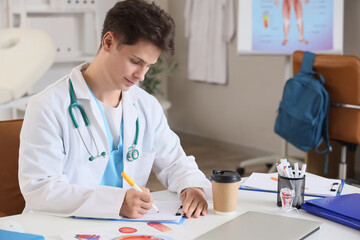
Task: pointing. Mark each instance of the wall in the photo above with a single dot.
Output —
(3, 15)
(242, 112)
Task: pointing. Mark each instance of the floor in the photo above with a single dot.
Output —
(212, 155)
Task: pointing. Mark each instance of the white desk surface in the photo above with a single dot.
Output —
(50, 226)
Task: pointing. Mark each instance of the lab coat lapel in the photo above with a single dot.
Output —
(85, 98)
(130, 114)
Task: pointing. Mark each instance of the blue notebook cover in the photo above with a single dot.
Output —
(342, 209)
(4, 234)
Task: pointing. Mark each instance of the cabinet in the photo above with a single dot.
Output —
(73, 25)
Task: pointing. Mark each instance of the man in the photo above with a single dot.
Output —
(67, 168)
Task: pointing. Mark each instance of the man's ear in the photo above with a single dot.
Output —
(108, 41)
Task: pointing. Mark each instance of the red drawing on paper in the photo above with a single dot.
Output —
(127, 230)
(159, 226)
(142, 237)
(87, 237)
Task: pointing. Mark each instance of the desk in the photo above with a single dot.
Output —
(51, 226)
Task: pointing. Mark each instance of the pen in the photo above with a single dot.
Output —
(296, 168)
(278, 166)
(340, 188)
(135, 186)
(274, 178)
(303, 169)
(290, 171)
(286, 172)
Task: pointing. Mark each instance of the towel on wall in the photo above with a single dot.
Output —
(209, 25)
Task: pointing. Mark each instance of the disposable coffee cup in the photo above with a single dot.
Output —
(225, 188)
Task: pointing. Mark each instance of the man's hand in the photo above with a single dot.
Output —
(136, 203)
(194, 202)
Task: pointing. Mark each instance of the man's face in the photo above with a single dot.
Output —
(127, 64)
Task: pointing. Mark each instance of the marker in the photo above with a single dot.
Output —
(296, 167)
(135, 186)
(290, 171)
(285, 172)
(303, 169)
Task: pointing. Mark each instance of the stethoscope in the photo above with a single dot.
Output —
(131, 155)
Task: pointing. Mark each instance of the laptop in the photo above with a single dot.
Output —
(256, 225)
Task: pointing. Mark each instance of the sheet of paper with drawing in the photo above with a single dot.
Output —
(118, 230)
(314, 185)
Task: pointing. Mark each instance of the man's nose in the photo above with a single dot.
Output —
(140, 74)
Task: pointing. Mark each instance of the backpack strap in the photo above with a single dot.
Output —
(307, 66)
(307, 62)
(328, 149)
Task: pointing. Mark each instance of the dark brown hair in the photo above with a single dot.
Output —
(134, 20)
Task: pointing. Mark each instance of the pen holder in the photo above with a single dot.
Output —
(296, 184)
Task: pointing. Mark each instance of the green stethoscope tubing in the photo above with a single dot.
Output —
(132, 154)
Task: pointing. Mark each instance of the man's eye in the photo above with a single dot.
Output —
(134, 61)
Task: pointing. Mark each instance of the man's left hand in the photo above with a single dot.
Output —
(193, 202)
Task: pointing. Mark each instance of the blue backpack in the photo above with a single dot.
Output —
(304, 109)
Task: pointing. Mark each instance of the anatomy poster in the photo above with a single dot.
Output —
(284, 26)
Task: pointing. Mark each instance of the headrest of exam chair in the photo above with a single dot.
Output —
(25, 55)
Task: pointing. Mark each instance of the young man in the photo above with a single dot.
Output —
(67, 168)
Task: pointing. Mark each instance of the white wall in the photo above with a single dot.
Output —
(3, 15)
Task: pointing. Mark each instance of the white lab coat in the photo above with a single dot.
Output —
(55, 174)
(209, 25)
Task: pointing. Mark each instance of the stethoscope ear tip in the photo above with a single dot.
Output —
(91, 158)
(103, 154)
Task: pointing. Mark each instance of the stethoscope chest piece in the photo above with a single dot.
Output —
(132, 154)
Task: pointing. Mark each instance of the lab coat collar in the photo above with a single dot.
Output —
(80, 86)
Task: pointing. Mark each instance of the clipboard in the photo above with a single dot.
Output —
(168, 214)
(315, 186)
